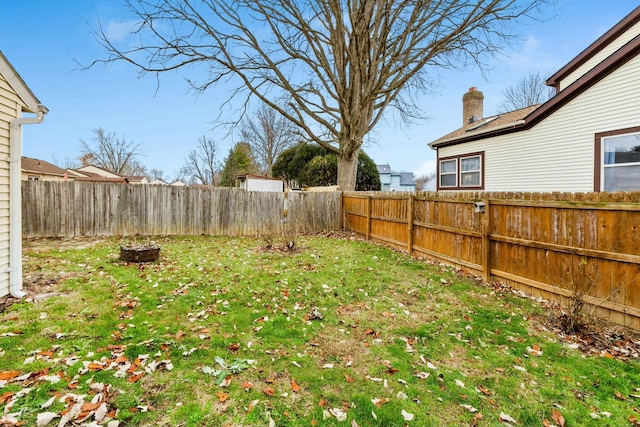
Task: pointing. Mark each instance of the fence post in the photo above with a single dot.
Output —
(368, 233)
(486, 241)
(410, 225)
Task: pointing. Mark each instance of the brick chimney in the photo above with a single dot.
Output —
(472, 106)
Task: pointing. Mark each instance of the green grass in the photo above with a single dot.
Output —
(392, 333)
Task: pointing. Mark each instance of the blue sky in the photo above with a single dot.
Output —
(44, 40)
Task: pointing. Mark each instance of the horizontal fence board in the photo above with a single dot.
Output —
(75, 209)
(552, 244)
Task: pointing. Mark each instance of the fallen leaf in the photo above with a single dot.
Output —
(234, 347)
(136, 378)
(180, 334)
(619, 395)
(379, 401)
(6, 397)
(557, 417)
(222, 396)
(294, 386)
(407, 415)
(247, 386)
(269, 391)
(506, 418)
(338, 413)
(348, 378)
(8, 375)
(484, 391)
(45, 418)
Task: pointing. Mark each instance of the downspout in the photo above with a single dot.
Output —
(15, 199)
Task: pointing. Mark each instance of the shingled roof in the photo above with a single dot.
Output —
(526, 118)
(41, 167)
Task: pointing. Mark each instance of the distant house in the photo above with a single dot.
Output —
(251, 182)
(40, 170)
(85, 176)
(93, 173)
(395, 181)
(157, 182)
(16, 99)
(585, 138)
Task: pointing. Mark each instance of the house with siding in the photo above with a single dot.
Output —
(40, 170)
(395, 181)
(585, 138)
(16, 100)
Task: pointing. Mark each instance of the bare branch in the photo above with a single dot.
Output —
(340, 64)
(528, 91)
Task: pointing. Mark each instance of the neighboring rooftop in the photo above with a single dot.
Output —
(40, 166)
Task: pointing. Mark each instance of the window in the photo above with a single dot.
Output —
(34, 178)
(461, 172)
(449, 173)
(470, 171)
(618, 161)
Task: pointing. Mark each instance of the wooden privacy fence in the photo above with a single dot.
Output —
(73, 209)
(557, 245)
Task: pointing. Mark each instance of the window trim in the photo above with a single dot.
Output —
(447, 173)
(459, 172)
(598, 163)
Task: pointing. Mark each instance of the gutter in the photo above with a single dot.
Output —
(15, 199)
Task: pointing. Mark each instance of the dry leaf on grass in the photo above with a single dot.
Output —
(269, 391)
(557, 417)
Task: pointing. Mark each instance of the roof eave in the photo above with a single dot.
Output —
(29, 100)
(627, 22)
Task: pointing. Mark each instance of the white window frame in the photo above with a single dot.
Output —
(459, 173)
(455, 173)
(478, 171)
(605, 166)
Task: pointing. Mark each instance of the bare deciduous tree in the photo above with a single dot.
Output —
(201, 164)
(269, 134)
(331, 67)
(528, 91)
(110, 152)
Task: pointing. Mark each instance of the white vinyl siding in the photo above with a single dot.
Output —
(558, 153)
(9, 108)
(601, 55)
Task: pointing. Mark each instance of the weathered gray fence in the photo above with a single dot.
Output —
(74, 209)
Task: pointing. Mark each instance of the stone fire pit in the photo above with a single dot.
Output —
(139, 253)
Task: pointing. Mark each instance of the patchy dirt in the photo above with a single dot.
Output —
(55, 243)
(38, 286)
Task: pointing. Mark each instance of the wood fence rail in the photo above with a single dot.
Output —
(73, 209)
(554, 245)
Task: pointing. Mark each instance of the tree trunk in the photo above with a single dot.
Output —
(347, 170)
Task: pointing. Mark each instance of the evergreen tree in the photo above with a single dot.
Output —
(239, 161)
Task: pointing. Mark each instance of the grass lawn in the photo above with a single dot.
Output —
(227, 332)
